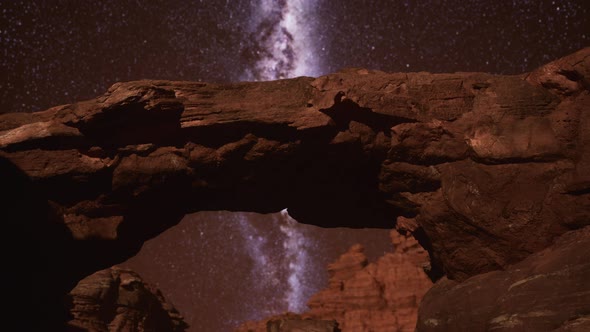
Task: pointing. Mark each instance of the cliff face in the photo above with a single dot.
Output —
(547, 291)
(119, 300)
(489, 169)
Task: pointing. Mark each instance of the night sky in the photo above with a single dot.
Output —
(221, 268)
(56, 52)
(60, 51)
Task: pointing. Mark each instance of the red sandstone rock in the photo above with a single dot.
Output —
(381, 296)
(117, 299)
(361, 297)
(548, 291)
(490, 168)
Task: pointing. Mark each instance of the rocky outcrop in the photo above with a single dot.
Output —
(119, 300)
(548, 291)
(489, 168)
(380, 296)
(363, 296)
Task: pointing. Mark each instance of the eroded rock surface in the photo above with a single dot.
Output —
(363, 297)
(548, 291)
(119, 300)
(489, 168)
(380, 296)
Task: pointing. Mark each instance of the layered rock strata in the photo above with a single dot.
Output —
(489, 168)
(380, 296)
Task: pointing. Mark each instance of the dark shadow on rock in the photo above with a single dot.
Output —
(434, 270)
(345, 110)
(341, 189)
(42, 260)
(35, 275)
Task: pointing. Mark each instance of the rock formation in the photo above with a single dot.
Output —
(547, 291)
(490, 169)
(363, 297)
(119, 300)
(381, 296)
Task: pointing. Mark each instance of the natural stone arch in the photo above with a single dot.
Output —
(471, 161)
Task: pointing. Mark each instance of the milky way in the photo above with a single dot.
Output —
(226, 268)
(54, 52)
(298, 247)
(281, 261)
(283, 31)
(223, 268)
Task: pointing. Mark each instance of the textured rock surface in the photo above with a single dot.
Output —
(117, 299)
(362, 297)
(381, 296)
(489, 168)
(548, 291)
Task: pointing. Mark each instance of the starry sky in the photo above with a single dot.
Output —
(59, 51)
(223, 268)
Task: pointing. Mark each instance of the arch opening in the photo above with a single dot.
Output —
(221, 268)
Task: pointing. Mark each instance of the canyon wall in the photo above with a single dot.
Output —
(487, 169)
